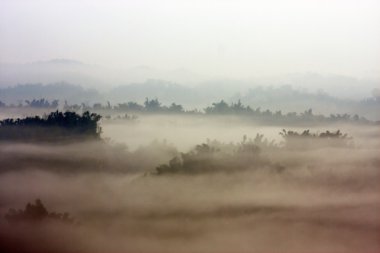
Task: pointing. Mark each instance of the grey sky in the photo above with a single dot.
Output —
(223, 38)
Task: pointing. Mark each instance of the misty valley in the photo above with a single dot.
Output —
(152, 179)
(176, 126)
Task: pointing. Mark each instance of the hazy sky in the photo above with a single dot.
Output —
(231, 37)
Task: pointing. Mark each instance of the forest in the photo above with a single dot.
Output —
(55, 126)
(154, 106)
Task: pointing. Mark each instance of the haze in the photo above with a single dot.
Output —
(189, 126)
(236, 39)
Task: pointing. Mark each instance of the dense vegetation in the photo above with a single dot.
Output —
(306, 139)
(36, 212)
(216, 156)
(154, 106)
(55, 126)
(213, 157)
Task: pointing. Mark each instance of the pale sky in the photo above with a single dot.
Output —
(232, 38)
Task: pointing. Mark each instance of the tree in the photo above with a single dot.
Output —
(175, 108)
(152, 105)
(56, 125)
(218, 108)
(36, 212)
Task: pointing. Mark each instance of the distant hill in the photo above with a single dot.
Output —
(287, 98)
(61, 91)
(87, 75)
(168, 92)
(52, 71)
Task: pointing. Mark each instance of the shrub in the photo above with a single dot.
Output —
(36, 212)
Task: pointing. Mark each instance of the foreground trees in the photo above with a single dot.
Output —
(36, 212)
(214, 156)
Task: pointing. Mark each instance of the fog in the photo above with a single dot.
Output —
(282, 199)
(189, 126)
(185, 132)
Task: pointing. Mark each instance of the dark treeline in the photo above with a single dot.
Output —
(295, 140)
(35, 103)
(42, 103)
(273, 98)
(36, 212)
(267, 116)
(223, 108)
(57, 125)
(154, 106)
(214, 156)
